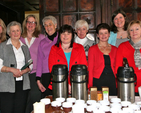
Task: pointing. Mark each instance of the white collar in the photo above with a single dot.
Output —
(80, 41)
(9, 42)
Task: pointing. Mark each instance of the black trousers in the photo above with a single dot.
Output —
(14, 102)
(34, 93)
(45, 79)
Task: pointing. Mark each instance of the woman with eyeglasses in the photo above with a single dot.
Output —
(31, 37)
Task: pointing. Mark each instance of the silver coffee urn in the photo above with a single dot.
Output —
(79, 78)
(59, 81)
(126, 82)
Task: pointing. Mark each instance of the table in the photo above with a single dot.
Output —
(49, 110)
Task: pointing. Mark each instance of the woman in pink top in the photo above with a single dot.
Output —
(31, 37)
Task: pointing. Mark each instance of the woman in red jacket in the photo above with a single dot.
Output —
(66, 51)
(132, 51)
(101, 61)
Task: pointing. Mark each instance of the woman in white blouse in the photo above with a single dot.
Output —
(14, 83)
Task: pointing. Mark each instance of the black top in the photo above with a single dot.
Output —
(107, 68)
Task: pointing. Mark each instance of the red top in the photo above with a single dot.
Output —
(96, 62)
(126, 50)
(57, 56)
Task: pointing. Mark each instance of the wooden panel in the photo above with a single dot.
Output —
(51, 6)
(130, 16)
(58, 20)
(69, 5)
(126, 3)
(69, 19)
(139, 16)
(139, 3)
(90, 19)
(86, 5)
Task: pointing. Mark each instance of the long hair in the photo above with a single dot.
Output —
(65, 28)
(113, 27)
(3, 34)
(37, 28)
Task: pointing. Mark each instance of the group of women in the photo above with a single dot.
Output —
(18, 91)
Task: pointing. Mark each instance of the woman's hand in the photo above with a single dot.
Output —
(69, 89)
(16, 72)
(41, 87)
(25, 71)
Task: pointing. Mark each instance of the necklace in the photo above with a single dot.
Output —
(104, 48)
(121, 37)
(65, 48)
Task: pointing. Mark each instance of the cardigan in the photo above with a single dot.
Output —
(34, 50)
(43, 54)
(7, 80)
(126, 50)
(96, 62)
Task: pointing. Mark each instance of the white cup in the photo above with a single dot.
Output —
(60, 100)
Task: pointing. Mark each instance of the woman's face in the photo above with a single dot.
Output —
(135, 31)
(81, 32)
(119, 20)
(31, 24)
(15, 32)
(103, 35)
(66, 37)
(50, 27)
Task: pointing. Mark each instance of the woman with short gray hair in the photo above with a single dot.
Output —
(83, 38)
(14, 82)
(43, 75)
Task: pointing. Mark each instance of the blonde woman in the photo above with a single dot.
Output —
(132, 50)
(31, 37)
(2, 31)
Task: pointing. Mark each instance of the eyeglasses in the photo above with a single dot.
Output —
(31, 22)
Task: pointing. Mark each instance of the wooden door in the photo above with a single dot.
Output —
(132, 9)
(69, 11)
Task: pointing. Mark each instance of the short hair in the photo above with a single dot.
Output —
(113, 27)
(65, 28)
(3, 34)
(37, 28)
(81, 23)
(52, 18)
(102, 26)
(130, 24)
(13, 23)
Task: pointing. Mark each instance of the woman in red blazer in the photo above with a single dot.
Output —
(101, 61)
(66, 51)
(132, 51)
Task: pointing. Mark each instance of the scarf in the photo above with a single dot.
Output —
(52, 36)
(137, 54)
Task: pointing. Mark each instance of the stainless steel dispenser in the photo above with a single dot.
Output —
(79, 76)
(59, 81)
(126, 79)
